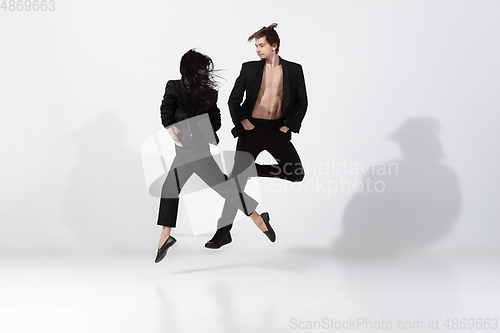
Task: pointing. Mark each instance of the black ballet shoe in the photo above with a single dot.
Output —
(270, 232)
(162, 251)
(222, 237)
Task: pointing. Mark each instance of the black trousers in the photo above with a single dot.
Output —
(265, 136)
(198, 160)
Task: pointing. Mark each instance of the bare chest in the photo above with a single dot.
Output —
(272, 78)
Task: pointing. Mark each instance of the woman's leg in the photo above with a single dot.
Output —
(165, 233)
(259, 222)
(209, 172)
(169, 202)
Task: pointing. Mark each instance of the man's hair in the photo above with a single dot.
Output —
(270, 34)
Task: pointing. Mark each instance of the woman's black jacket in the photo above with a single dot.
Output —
(174, 107)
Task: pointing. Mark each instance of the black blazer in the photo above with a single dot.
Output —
(173, 107)
(294, 94)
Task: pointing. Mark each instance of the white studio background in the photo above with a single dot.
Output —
(81, 87)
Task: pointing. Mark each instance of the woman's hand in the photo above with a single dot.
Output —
(172, 130)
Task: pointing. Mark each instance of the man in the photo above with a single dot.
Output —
(274, 106)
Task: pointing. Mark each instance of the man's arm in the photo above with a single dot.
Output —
(299, 111)
(236, 97)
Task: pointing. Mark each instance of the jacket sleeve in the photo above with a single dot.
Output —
(214, 115)
(168, 105)
(299, 111)
(236, 97)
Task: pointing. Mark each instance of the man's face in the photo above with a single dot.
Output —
(264, 50)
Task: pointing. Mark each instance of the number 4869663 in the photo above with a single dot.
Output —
(469, 323)
(28, 5)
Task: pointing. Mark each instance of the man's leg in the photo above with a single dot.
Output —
(208, 170)
(248, 147)
(289, 166)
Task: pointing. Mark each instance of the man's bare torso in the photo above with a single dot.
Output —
(268, 104)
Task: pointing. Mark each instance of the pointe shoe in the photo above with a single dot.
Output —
(221, 238)
(270, 232)
(162, 251)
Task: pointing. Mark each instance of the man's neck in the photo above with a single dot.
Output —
(274, 61)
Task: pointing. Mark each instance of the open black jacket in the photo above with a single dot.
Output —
(174, 109)
(294, 94)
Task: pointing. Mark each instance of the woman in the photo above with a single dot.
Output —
(184, 101)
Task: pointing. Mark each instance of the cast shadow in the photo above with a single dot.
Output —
(417, 202)
(223, 300)
(293, 264)
(105, 201)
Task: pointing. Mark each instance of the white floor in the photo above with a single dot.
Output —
(238, 290)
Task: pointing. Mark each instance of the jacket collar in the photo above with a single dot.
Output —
(258, 78)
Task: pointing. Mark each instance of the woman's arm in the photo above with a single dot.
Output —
(167, 112)
(168, 105)
(214, 115)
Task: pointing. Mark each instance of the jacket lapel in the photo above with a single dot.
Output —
(286, 83)
(257, 81)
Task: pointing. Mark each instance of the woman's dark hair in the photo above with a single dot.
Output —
(198, 79)
(270, 34)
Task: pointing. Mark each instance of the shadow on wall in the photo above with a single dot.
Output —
(418, 205)
(106, 203)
